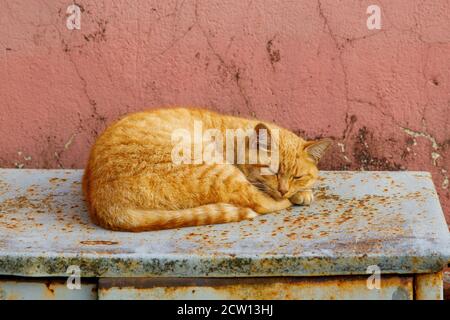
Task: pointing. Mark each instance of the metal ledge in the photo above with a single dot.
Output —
(389, 219)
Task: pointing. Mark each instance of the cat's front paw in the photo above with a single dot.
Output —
(303, 198)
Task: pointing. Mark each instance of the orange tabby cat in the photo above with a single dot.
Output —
(131, 183)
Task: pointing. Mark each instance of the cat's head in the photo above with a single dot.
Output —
(296, 168)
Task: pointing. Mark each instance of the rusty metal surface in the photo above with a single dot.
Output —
(389, 219)
(446, 279)
(45, 289)
(282, 288)
(429, 286)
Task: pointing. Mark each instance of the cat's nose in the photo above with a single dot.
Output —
(283, 186)
(283, 190)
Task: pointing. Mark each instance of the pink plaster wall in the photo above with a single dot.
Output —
(312, 66)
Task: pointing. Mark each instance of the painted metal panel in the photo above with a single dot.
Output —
(429, 286)
(389, 219)
(311, 288)
(45, 289)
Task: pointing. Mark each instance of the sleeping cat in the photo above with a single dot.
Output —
(132, 184)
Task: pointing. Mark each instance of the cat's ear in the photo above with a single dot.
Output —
(316, 149)
(262, 138)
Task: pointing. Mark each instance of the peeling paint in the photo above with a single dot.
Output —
(435, 153)
(425, 135)
(69, 142)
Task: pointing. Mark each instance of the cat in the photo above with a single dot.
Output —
(132, 184)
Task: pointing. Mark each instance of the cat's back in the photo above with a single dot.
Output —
(146, 137)
(160, 122)
(157, 126)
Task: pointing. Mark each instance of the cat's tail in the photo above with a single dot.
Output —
(146, 220)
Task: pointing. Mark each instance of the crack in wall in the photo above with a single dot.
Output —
(340, 46)
(91, 101)
(339, 49)
(231, 69)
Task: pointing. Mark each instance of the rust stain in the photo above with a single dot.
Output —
(57, 180)
(50, 287)
(429, 286)
(292, 236)
(98, 242)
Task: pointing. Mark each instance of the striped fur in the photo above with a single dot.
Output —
(131, 184)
